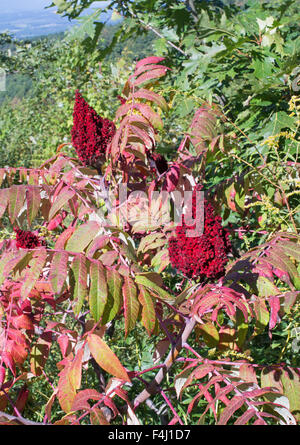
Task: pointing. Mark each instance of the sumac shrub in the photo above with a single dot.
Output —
(106, 301)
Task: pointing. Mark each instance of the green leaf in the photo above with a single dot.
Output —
(210, 334)
(98, 290)
(185, 107)
(241, 327)
(269, 378)
(161, 260)
(113, 305)
(147, 280)
(279, 121)
(79, 270)
(291, 388)
(86, 26)
(262, 68)
(266, 287)
(146, 240)
(291, 249)
(262, 315)
(160, 46)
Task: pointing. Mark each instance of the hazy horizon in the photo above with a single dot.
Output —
(30, 18)
(33, 5)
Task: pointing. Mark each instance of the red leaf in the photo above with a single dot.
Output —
(146, 111)
(57, 221)
(22, 322)
(19, 352)
(64, 237)
(235, 403)
(172, 178)
(22, 398)
(274, 303)
(148, 60)
(203, 128)
(9, 362)
(153, 74)
(97, 417)
(64, 343)
(143, 69)
(244, 418)
(2, 375)
(9, 262)
(98, 244)
(150, 96)
(81, 400)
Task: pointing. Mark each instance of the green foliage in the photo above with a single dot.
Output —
(41, 80)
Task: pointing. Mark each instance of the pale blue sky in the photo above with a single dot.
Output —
(29, 5)
(23, 5)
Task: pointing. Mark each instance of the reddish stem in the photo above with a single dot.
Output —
(171, 406)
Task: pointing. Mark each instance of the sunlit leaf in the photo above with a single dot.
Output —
(106, 358)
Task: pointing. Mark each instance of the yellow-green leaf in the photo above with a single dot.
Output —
(148, 309)
(58, 271)
(113, 305)
(131, 304)
(82, 236)
(106, 358)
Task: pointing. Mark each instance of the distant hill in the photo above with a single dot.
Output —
(26, 24)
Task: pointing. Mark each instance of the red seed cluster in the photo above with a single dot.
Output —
(27, 239)
(204, 256)
(91, 133)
